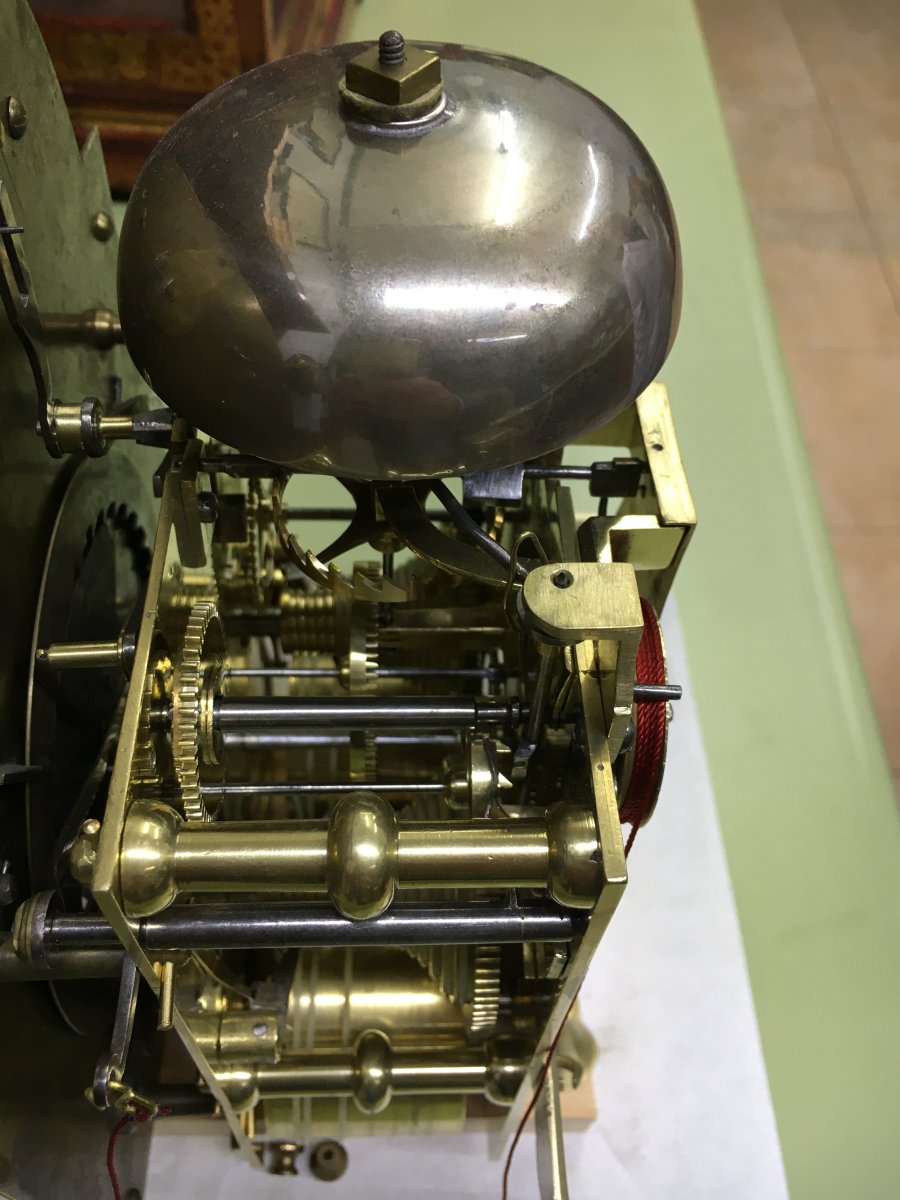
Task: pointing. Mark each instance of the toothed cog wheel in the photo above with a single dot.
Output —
(362, 666)
(197, 680)
(470, 976)
(481, 1017)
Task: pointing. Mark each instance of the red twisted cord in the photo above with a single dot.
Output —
(649, 751)
(650, 735)
(140, 1115)
(538, 1088)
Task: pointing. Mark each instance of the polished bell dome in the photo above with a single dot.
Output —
(439, 291)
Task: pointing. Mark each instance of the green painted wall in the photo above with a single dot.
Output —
(805, 801)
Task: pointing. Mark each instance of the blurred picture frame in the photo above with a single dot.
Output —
(131, 67)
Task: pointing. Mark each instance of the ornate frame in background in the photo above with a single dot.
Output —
(132, 69)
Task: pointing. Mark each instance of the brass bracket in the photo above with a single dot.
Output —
(597, 605)
(651, 531)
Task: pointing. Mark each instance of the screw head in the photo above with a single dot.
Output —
(102, 226)
(563, 579)
(16, 117)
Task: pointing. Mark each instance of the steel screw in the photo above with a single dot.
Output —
(16, 117)
(563, 579)
(391, 49)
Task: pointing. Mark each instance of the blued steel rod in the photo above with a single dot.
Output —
(493, 673)
(412, 787)
(643, 692)
(92, 961)
(285, 924)
(361, 712)
(646, 693)
(280, 739)
(284, 672)
(294, 513)
(540, 698)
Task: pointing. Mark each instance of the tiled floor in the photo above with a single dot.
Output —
(811, 93)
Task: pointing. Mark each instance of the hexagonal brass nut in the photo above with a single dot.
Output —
(417, 75)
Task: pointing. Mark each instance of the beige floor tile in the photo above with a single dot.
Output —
(826, 282)
(851, 48)
(850, 409)
(870, 568)
(788, 159)
(753, 52)
(811, 90)
(871, 140)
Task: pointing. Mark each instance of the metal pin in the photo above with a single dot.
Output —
(166, 972)
(656, 693)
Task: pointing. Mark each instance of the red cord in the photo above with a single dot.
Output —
(649, 751)
(140, 1115)
(538, 1087)
(650, 735)
(111, 1155)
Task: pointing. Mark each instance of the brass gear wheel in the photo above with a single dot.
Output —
(151, 761)
(239, 566)
(365, 630)
(469, 976)
(196, 680)
(236, 568)
(362, 670)
(482, 1014)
